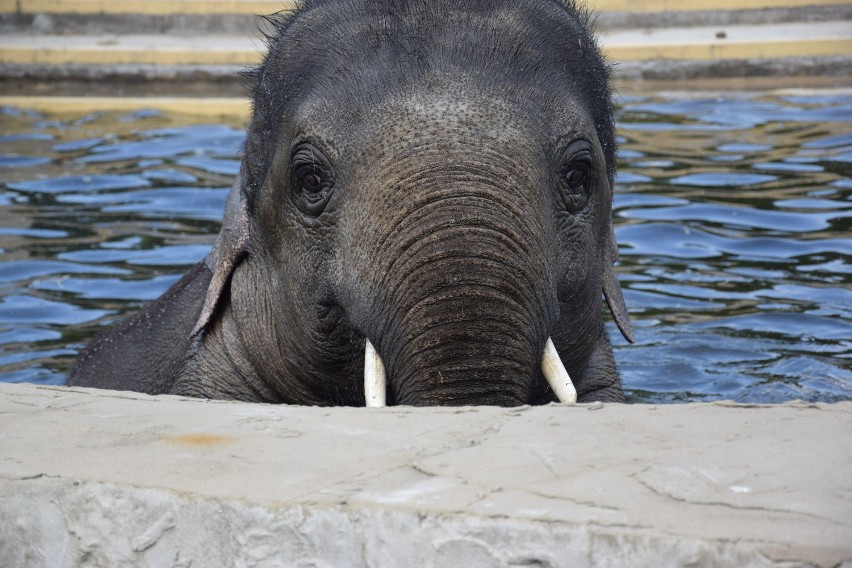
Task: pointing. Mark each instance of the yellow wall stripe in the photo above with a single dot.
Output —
(237, 107)
(725, 49)
(721, 49)
(117, 55)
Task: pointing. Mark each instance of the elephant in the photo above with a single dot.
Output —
(422, 216)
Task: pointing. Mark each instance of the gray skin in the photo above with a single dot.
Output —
(435, 177)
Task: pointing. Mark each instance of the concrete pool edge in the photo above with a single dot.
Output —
(240, 107)
(127, 478)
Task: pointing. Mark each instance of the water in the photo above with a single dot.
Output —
(732, 214)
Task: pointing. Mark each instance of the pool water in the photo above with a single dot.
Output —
(732, 214)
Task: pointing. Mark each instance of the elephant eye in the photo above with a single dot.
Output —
(312, 181)
(574, 178)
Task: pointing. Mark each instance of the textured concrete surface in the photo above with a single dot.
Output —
(100, 478)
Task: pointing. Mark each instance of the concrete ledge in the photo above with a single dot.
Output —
(120, 21)
(105, 478)
(31, 86)
(694, 43)
(737, 42)
(130, 49)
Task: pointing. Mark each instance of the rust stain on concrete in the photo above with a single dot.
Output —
(200, 439)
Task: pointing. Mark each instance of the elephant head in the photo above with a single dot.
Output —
(426, 190)
(426, 194)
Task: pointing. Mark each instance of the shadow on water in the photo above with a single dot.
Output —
(732, 215)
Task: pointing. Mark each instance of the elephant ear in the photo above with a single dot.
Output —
(231, 246)
(612, 291)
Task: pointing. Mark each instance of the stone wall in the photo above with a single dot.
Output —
(101, 478)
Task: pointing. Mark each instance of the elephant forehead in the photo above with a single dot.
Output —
(449, 113)
(455, 106)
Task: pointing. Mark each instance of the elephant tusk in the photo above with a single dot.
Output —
(556, 375)
(375, 378)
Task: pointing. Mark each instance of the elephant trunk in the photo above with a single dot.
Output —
(471, 347)
(469, 315)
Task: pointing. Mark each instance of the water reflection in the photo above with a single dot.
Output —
(732, 214)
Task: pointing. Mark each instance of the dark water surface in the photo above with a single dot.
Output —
(732, 214)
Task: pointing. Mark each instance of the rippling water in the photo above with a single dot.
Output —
(732, 214)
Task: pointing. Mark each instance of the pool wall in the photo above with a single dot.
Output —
(198, 47)
(102, 478)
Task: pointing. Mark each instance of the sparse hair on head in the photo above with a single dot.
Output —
(592, 71)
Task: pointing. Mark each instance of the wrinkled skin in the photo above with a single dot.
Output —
(435, 177)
